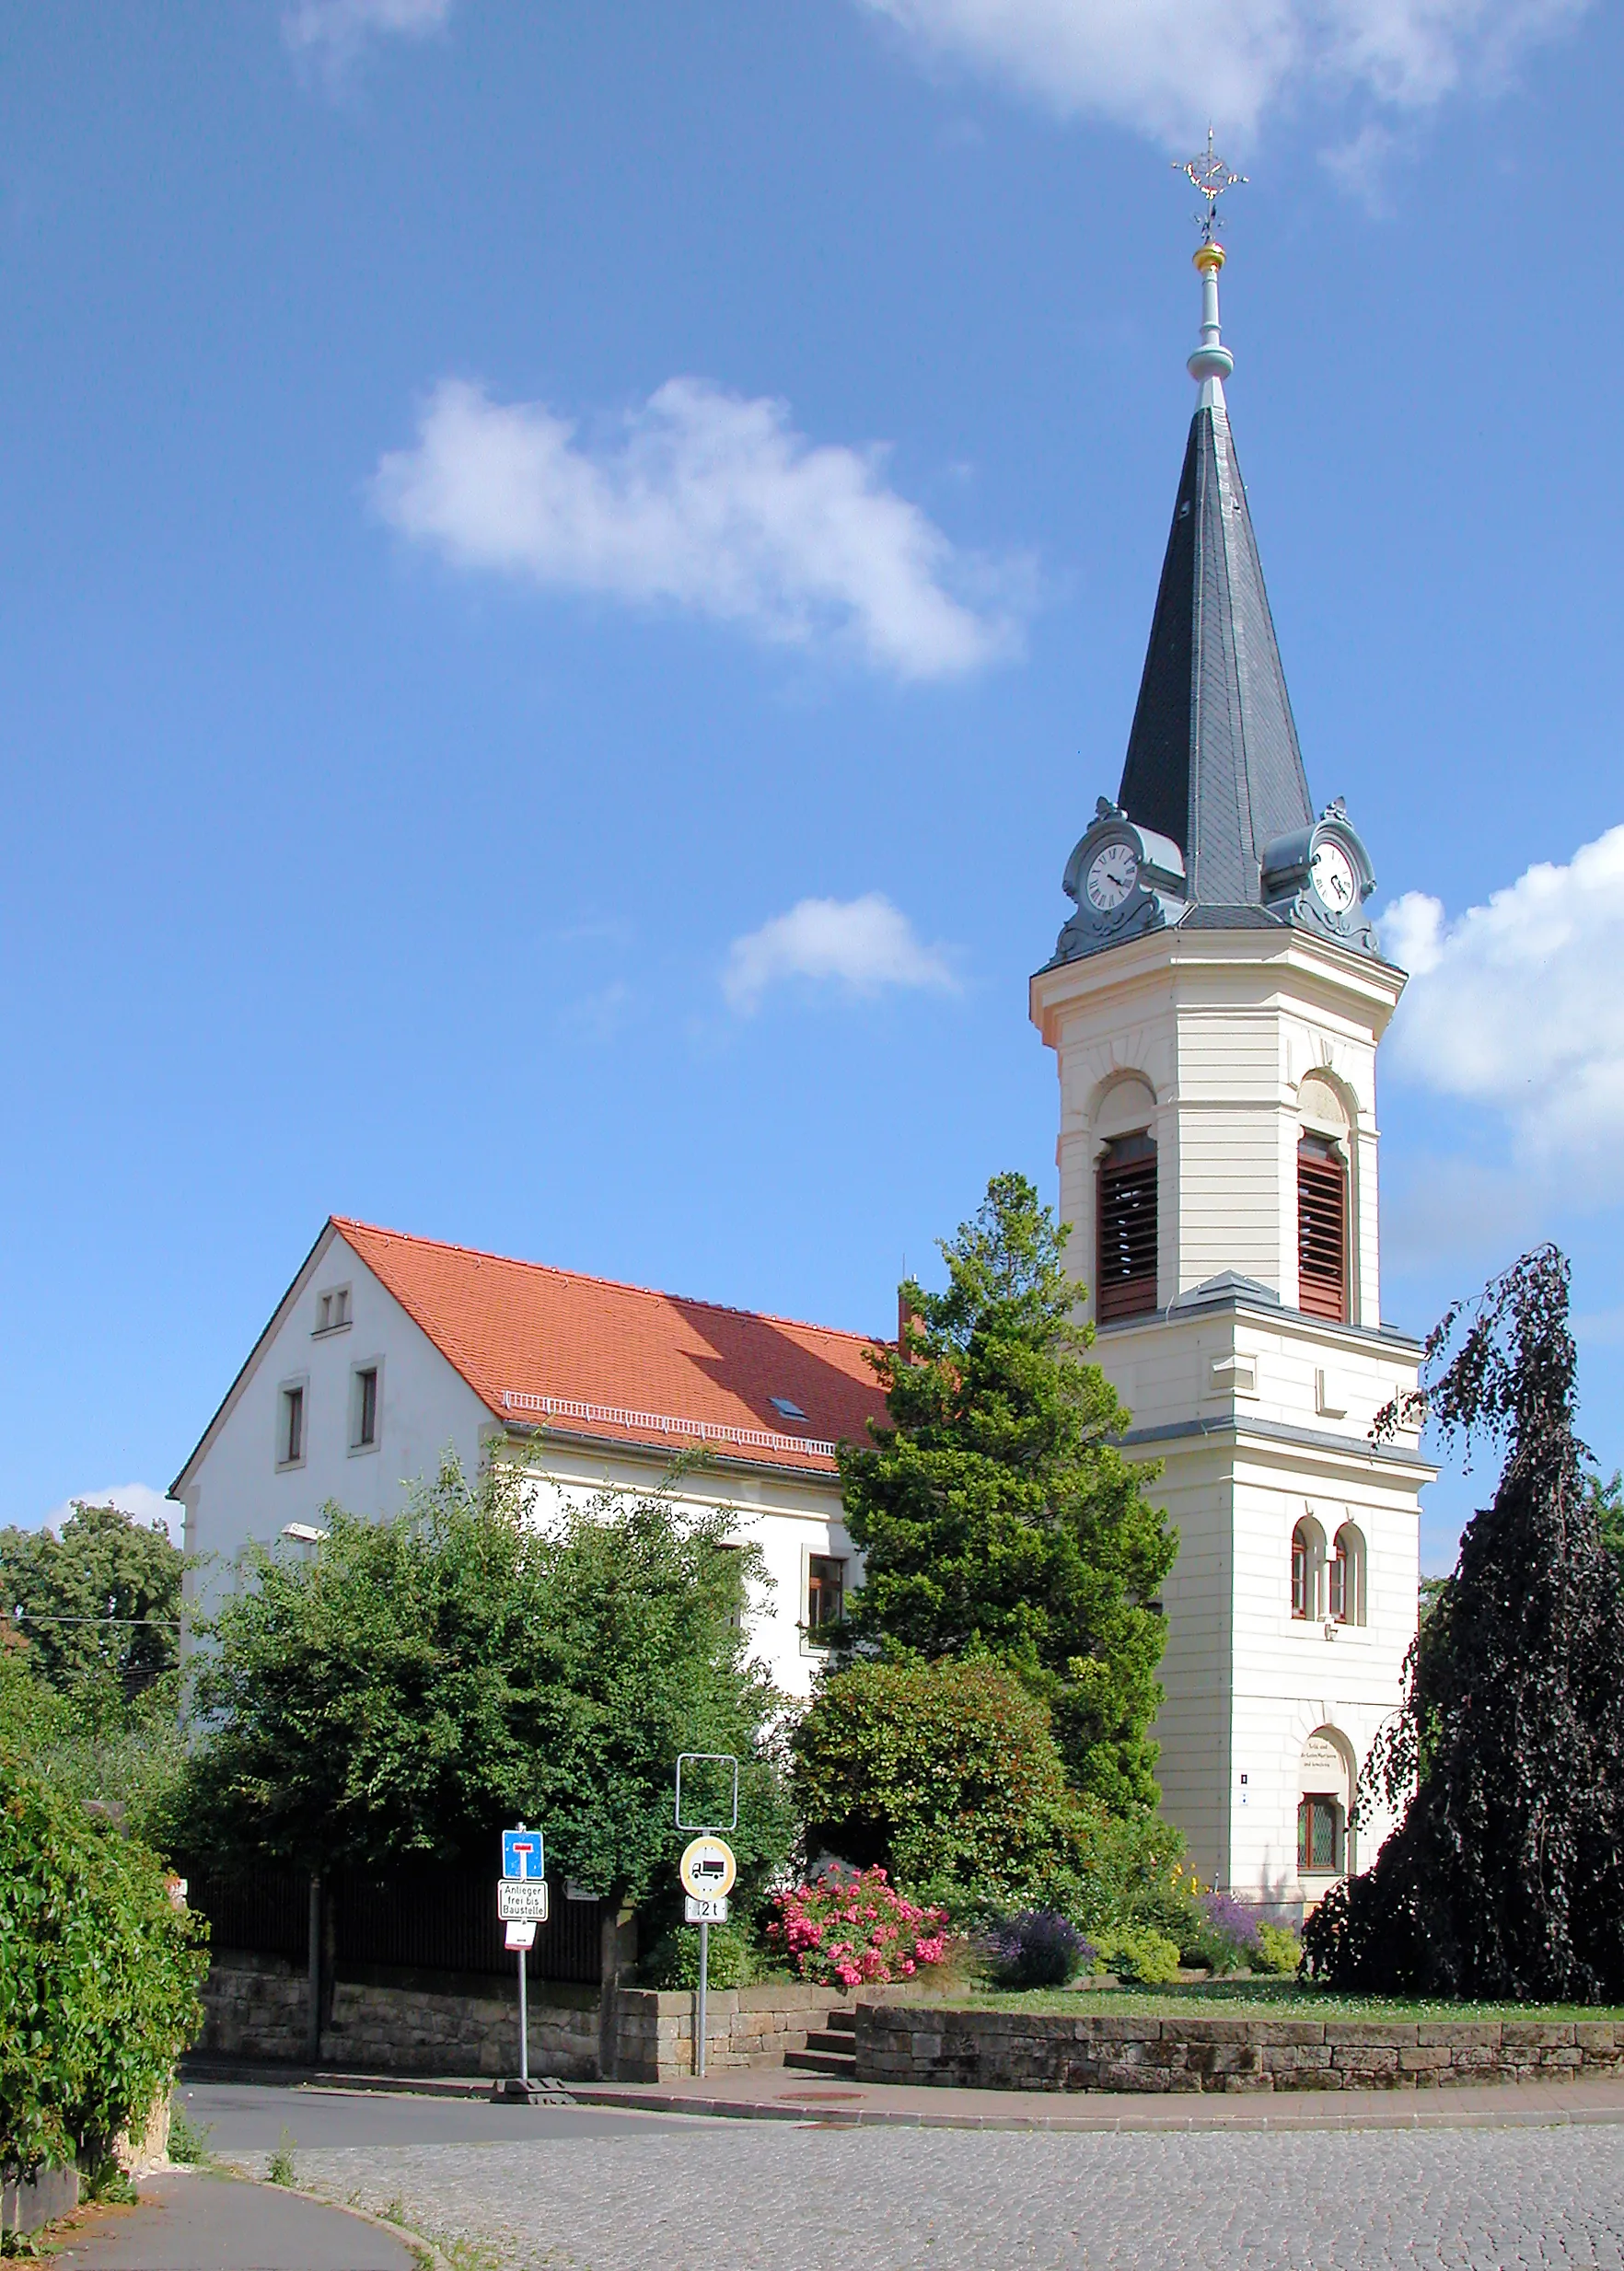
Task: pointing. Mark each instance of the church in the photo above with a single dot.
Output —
(1215, 1003)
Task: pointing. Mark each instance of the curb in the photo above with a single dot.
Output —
(1140, 2124)
(249, 2073)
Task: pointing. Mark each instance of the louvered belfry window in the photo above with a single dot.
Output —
(1322, 1229)
(1127, 1248)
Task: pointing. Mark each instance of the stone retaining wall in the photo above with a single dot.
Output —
(1027, 2050)
(254, 2007)
(405, 2023)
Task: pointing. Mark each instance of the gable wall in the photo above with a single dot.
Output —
(236, 1492)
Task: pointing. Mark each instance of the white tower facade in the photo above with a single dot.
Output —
(1215, 1007)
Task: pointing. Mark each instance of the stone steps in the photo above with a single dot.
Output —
(831, 2049)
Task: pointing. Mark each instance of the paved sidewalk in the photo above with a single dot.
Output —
(776, 2095)
(191, 2222)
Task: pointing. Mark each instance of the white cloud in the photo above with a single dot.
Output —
(1518, 1006)
(1166, 66)
(863, 945)
(707, 502)
(331, 33)
(136, 1499)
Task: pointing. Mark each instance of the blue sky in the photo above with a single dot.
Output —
(571, 576)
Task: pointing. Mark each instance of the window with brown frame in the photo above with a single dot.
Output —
(1299, 1572)
(1322, 1229)
(1319, 1836)
(826, 1590)
(1126, 1275)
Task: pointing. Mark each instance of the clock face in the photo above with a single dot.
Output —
(1334, 880)
(1112, 874)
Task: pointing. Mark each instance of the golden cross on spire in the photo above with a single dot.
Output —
(1211, 177)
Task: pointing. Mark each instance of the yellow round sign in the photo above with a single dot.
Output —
(708, 1869)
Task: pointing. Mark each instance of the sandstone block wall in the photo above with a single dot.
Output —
(1026, 2050)
(429, 2024)
(255, 2007)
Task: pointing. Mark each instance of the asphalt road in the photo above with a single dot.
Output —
(252, 2117)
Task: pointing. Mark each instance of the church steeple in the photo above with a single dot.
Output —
(1214, 824)
(1213, 759)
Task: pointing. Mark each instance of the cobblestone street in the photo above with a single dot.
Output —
(730, 2196)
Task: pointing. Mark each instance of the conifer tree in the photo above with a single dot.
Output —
(1505, 1876)
(996, 1515)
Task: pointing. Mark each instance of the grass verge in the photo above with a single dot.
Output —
(1260, 1999)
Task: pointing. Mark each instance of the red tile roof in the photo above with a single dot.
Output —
(584, 1356)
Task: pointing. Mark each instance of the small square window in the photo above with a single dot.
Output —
(364, 1408)
(826, 1591)
(290, 1426)
(332, 1310)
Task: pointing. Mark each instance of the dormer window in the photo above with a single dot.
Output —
(1322, 1229)
(332, 1310)
(1125, 1275)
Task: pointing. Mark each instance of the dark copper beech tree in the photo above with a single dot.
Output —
(1505, 1876)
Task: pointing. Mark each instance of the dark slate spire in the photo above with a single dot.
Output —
(1212, 760)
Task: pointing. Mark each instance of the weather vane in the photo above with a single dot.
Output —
(1211, 177)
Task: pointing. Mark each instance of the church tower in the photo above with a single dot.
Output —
(1216, 1004)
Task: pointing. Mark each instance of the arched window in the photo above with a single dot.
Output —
(1307, 1570)
(1322, 1229)
(1125, 1273)
(1325, 1794)
(1346, 1576)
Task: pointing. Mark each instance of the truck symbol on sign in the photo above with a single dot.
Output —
(711, 1868)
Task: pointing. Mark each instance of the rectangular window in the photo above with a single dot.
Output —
(1322, 1229)
(290, 1439)
(1126, 1217)
(1319, 1836)
(332, 1310)
(826, 1590)
(364, 1432)
(1338, 1573)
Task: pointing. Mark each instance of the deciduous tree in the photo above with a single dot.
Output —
(420, 1681)
(1505, 1876)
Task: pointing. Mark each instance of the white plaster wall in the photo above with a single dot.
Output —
(236, 1491)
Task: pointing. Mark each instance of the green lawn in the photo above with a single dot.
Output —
(1260, 1999)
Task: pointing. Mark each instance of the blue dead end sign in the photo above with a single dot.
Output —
(521, 1853)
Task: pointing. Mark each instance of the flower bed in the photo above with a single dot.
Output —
(856, 1931)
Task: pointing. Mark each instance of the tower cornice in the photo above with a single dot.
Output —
(1320, 970)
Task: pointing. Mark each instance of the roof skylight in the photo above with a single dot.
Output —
(783, 1403)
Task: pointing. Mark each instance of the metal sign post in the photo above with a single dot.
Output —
(523, 2026)
(707, 1870)
(521, 1900)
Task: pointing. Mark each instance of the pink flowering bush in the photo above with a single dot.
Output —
(857, 1932)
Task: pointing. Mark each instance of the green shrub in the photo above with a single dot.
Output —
(1277, 1950)
(948, 1776)
(1144, 1957)
(673, 1961)
(99, 1976)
